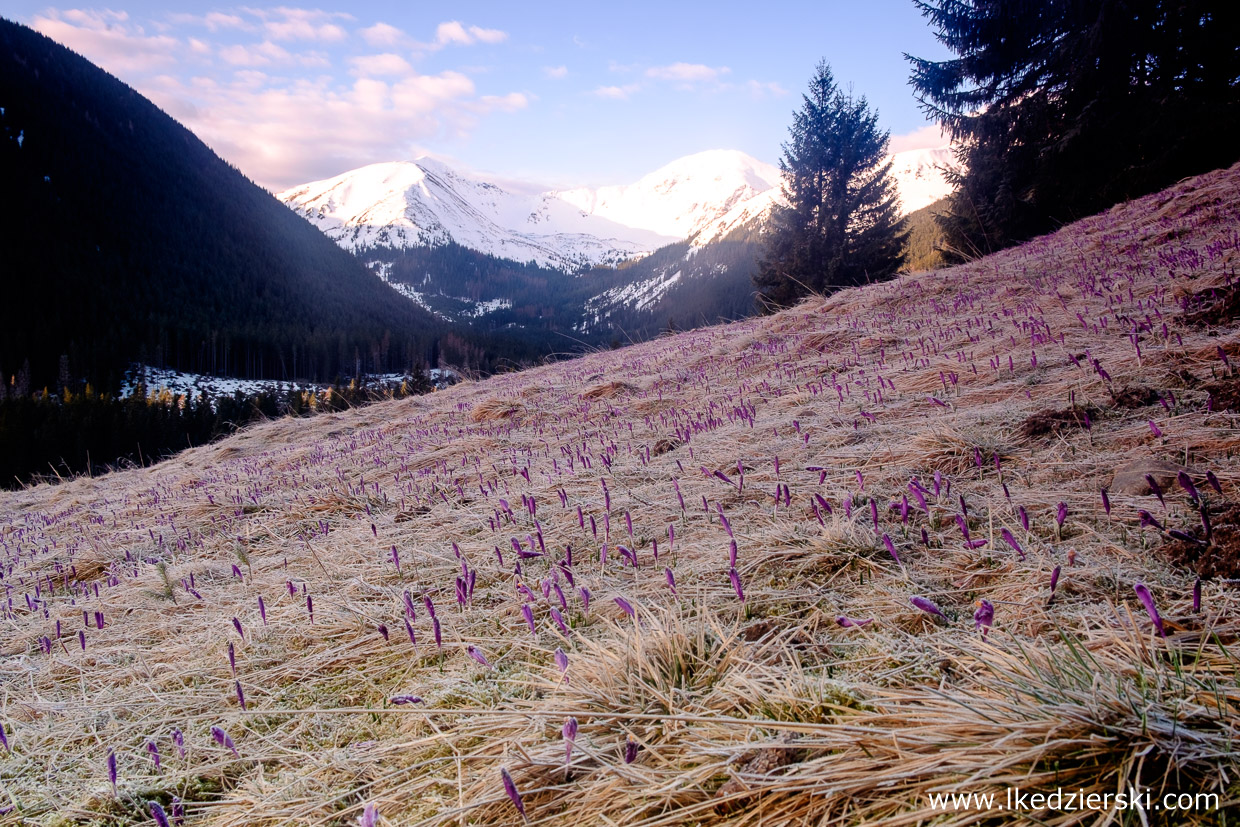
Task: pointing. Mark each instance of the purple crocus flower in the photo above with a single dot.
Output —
(849, 622)
(262, 609)
(237, 626)
(569, 731)
(891, 548)
(1186, 482)
(736, 584)
(559, 620)
(1147, 600)
(369, 816)
(1147, 519)
(112, 770)
(310, 607)
(1197, 595)
(1061, 514)
(179, 740)
(625, 606)
(1155, 488)
(1155, 430)
(511, 789)
(671, 580)
(232, 659)
(984, 616)
(585, 599)
(631, 746)
(153, 749)
(1213, 480)
(402, 700)
(476, 653)
(157, 813)
(732, 553)
(926, 606)
(221, 738)
(1011, 541)
(240, 694)
(561, 660)
(4, 740)
(528, 613)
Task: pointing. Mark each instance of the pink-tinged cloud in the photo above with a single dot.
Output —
(109, 39)
(283, 135)
(384, 35)
(687, 72)
(453, 32)
(616, 92)
(284, 23)
(384, 65)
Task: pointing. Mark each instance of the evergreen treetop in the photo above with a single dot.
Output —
(840, 225)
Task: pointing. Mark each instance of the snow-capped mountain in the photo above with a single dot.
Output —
(702, 197)
(918, 176)
(426, 203)
(682, 197)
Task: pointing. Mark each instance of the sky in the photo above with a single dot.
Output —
(563, 94)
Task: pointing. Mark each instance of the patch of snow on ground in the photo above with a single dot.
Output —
(641, 295)
(181, 383)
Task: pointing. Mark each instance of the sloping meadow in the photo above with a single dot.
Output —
(966, 531)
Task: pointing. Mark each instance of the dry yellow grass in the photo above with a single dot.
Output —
(762, 712)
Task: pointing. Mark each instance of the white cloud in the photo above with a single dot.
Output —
(929, 136)
(382, 34)
(488, 35)
(239, 83)
(555, 72)
(504, 103)
(616, 92)
(456, 32)
(284, 133)
(109, 39)
(760, 89)
(218, 20)
(268, 54)
(380, 65)
(687, 72)
(213, 21)
(285, 23)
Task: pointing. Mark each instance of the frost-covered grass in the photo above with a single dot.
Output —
(823, 506)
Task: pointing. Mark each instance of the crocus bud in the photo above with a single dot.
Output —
(631, 746)
(511, 789)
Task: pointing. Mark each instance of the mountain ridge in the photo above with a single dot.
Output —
(699, 197)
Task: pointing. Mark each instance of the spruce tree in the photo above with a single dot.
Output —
(1061, 109)
(840, 224)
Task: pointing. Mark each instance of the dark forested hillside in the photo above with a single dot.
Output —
(125, 237)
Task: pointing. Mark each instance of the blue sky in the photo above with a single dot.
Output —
(564, 94)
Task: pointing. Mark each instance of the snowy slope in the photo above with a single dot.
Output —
(682, 197)
(424, 202)
(918, 178)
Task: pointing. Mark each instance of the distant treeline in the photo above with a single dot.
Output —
(44, 436)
